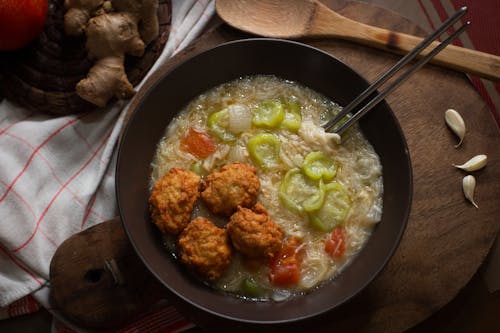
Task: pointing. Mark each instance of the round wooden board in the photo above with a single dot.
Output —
(447, 239)
(97, 280)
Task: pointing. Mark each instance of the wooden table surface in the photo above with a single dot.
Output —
(447, 239)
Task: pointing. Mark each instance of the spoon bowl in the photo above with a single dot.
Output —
(296, 19)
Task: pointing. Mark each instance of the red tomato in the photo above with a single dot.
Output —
(197, 143)
(285, 267)
(20, 22)
(335, 243)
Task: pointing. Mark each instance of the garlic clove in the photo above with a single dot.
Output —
(474, 164)
(468, 186)
(456, 123)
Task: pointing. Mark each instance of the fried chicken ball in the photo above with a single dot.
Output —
(254, 233)
(172, 200)
(205, 248)
(234, 185)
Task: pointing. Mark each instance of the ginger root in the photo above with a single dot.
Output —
(78, 14)
(111, 36)
(145, 13)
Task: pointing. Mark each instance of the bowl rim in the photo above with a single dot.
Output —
(137, 248)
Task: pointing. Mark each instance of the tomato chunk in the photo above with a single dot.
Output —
(198, 143)
(335, 243)
(285, 266)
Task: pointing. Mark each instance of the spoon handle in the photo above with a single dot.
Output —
(458, 58)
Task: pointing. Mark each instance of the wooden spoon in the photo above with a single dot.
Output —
(295, 19)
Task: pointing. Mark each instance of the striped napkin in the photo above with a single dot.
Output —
(57, 175)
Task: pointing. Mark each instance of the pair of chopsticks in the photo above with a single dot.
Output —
(335, 125)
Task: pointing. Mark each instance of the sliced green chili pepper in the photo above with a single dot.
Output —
(251, 288)
(218, 123)
(334, 210)
(264, 149)
(318, 165)
(299, 193)
(197, 168)
(329, 112)
(269, 114)
(293, 118)
(315, 201)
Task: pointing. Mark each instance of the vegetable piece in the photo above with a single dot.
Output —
(476, 163)
(285, 267)
(313, 271)
(145, 12)
(251, 288)
(197, 168)
(110, 36)
(78, 14)
(293, 118)
(334, 210)
(316, 136)
(198, 143)
(329, 111)
(269, 114)
(456, 123)
(240, 118)
(335, 243)
(218, 123)
(297, 191)
(468, 186)
(315, 201)
(318, 165)
(264, 149)
(21, 21)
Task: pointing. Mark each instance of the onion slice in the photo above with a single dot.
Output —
(240, 118)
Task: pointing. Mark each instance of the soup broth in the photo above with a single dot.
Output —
(325, 194)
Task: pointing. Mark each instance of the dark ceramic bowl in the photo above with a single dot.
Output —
(289, 60)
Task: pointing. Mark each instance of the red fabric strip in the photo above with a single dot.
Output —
(164, 319)
(484, 93)
(484, 9)
(484, 32)
(23, 306)
(426, 13)
(443, 15)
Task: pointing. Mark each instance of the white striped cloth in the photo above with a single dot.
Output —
(57, 173)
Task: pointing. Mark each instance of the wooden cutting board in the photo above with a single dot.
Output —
(447, 239)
